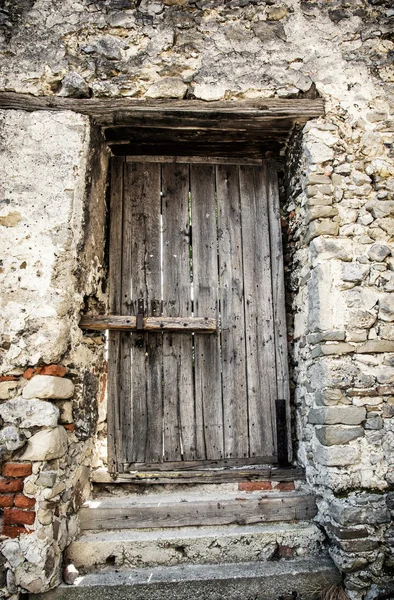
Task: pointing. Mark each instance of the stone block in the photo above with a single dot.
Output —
(327, 249)
(11, 439)
(335, 435)
(29, 413)
(361, 319)
(8, 389)
(47, 386)
(387, 331)
(330, 397)
(372, 346)
(378, 252)
(46, 445)
(332, 349)
(333, 415)
(386, 308)
(321, 212)
(46, 479)
(354, 272)
(168, 87)
(322, 227)
(336, 456)
(74, 86)
(359, 514)
(373, 423)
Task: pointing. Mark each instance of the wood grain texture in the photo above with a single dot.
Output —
(278, 291)
(208, 384)
(259, 318)
(178, 390)
(212, 160)
(142, 279)
(114, 342)
(240, 510)
(203, 325)
(236, 443)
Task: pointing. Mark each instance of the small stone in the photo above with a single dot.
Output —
(11, 439)
(331, 435)
(321, 212)
(386, 309)
(360, 178)
(331, 397)
(374, 423)
(46, 479)
(74, 86)
(47, 386)
(378, 252)
(110, 47)
(169, 87)
(326, 249)
(276, 13)
(346, 415)
(336, 456)
(46, 445)
(332, 349)
(8, 389)
(29, 413)
(66, 413)
(70, 574)
(44, 516)
(361, 319)
(354, 272)
(323, 227)
(318, 152)
(314, 179)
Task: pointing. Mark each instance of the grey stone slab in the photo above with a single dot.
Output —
(250, 581)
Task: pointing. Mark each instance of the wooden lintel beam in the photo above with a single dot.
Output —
(151, 324)
(119, 111)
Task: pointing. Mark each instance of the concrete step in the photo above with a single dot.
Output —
(195, 545)
(249, 581)
(188, 509)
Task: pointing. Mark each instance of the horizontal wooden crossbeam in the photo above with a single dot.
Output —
(151, 324)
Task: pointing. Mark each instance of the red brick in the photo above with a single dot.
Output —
(55, 370)
(22, 501)
(12, 531)
(16, 516)
(16, 469)
(8, 378)
(254, 486)
(69, 427)
(10, 485)
(28, 374)
(285, 552)
(285, 486)
(6, 500)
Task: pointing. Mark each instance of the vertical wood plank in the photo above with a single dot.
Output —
(209, 408)
(115, 278)
(236, 443)
(141, 278)
(178, 393)
(278, 289)
(259, 322)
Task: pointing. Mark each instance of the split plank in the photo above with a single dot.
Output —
(176, 324)
(241, 510)
(178, 392)
(142, 280)
(259, 322)
(208, 388)
(114, 342)
(236, 442)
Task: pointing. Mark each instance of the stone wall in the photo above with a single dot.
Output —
(339, 175)
(51, 244)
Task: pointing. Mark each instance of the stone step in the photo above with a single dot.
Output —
(249, 581)
(196, 545)
(189, 509)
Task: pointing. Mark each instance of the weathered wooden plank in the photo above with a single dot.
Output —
(120, 111)
(216, 511)
(209, 405)
(214, 475)
(251, 150)
(259, 322)
(278, 290)
(178, 393)
(115, 274)
(129, 323)
(143, 280)
(212, 160)
(213, 135)
(236, 442)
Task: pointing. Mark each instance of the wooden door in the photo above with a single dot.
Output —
(195, 240)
